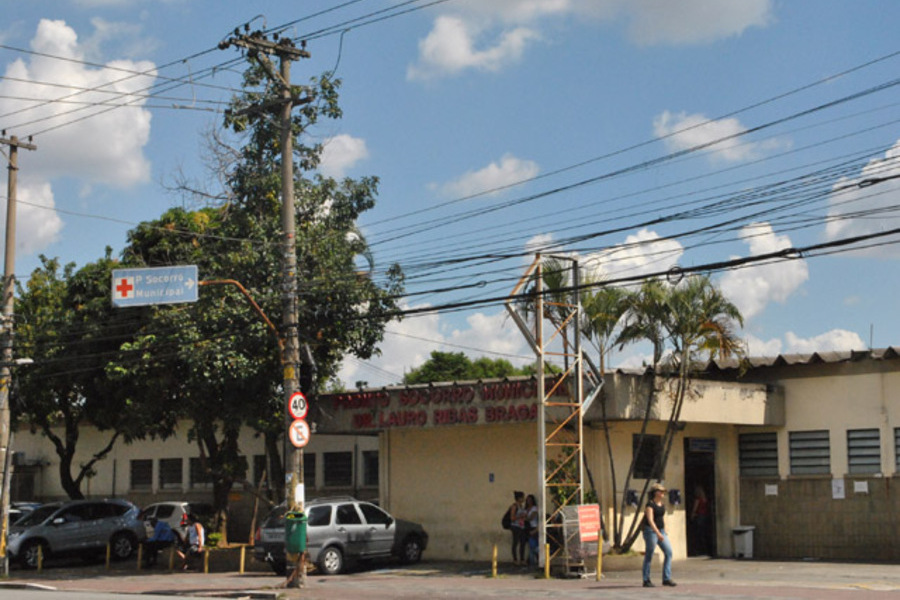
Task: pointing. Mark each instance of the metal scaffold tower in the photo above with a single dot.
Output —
(550, 320)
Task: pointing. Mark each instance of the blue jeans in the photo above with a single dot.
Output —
(651, 541)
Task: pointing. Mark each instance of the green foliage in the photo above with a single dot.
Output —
(456, 366)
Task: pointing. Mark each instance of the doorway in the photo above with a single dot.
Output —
(700, 481)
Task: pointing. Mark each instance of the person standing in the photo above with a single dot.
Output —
(517, 517)
(700, 520)
(531, 526)
(654, 530)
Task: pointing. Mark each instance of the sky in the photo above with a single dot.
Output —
(636, 136)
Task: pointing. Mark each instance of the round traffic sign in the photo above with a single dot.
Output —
(298, 405)
(299, 433)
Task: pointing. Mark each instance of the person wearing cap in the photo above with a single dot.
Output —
(654, 530)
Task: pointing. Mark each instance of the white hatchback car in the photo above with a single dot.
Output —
(175, 514)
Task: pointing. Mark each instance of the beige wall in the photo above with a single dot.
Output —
(457, 482)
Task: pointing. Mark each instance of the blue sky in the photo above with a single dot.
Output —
(635, 135)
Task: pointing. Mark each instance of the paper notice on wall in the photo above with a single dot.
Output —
(837, 489)
(771, 489)
(861, 487)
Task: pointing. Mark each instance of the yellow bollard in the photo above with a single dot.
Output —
(599, 554)
(140, 556)
(494, 563)
(243, 550)
(546, 561)
(205, 561)
(40, 565)
(107, 556)
(172, 557)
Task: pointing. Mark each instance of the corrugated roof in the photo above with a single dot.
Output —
(786, 360)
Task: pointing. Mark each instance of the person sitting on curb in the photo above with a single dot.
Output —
(193, 541)
(163, 537)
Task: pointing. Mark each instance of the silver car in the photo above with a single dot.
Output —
(79, 527)
(341, 530)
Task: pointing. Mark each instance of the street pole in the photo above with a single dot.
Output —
(259, 48)
(9, 276)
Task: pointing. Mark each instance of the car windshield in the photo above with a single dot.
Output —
(38, 515)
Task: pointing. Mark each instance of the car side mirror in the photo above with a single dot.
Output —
(388, 523)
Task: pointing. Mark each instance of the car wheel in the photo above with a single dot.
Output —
(412, 550)
(122, 545)
(30, 550)
(331, 560)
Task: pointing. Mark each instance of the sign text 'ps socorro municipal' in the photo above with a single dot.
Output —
(155, 285)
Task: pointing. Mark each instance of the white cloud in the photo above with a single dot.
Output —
(409, 343)
(487, 35)
(836, 339)
(682, 131)
(508, 171)
(36, 227)
(451, 48)
(693, 21)
(341, 153)
(854, 210)
(641, 253)
(752, 288)
(87, 143)
(758, 347)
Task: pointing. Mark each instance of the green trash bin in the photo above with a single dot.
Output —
(295, 532)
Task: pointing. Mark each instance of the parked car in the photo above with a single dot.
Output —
(81, 527)
(175, 514)
(340, 530)
(17, 510)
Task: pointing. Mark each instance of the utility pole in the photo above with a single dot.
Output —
(9, 277)
(259, 48)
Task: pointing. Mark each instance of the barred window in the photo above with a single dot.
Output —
(338, 469)
(200, 477)
(758, 454)
(647, 453)
(370, 468)
(309, 469)
(141, 474)
(810, 452)
(170, 473)
(864, 450)
(897, 448)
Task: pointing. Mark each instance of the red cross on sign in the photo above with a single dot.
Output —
(125, 285)
(299, 433)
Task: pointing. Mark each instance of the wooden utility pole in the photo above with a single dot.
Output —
(259, 48)
(6, 360)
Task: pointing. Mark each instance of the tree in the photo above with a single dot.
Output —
(689, 319)
(456, 366)
(70, 330)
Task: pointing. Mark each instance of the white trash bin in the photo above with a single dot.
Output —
(743, 541)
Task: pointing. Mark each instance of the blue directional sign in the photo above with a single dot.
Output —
(156, 285)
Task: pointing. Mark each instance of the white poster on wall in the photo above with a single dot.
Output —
(771, 489)
(837, 489)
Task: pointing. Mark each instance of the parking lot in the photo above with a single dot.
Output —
(697, 578)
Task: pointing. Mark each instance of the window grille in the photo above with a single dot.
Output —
(758, 454)
(141, 474)
(170, 473)
(810, 452)
(338, 469)
(864, 451)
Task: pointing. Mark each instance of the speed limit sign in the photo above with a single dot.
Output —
(299, 433)
(298, 405)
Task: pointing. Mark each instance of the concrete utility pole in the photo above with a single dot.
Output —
(259, 48)
(9, 276)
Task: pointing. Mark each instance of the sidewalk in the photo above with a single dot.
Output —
(697, 577)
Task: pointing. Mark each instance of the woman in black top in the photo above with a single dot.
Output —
(654, 529)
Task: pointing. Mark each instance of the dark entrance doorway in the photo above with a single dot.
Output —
(700, 482)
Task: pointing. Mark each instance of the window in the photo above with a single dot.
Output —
(338, 469)
(810, 452)
(758, 454)
(370, 468)
(320, 516)
(309, 469)
(141, 474)
(647, 453)
(374, 515)
(200, 477)
(169, 473)
(347, 515)
(864, 451)
(897, 447)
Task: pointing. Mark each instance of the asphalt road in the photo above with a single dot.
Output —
(697, 578)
